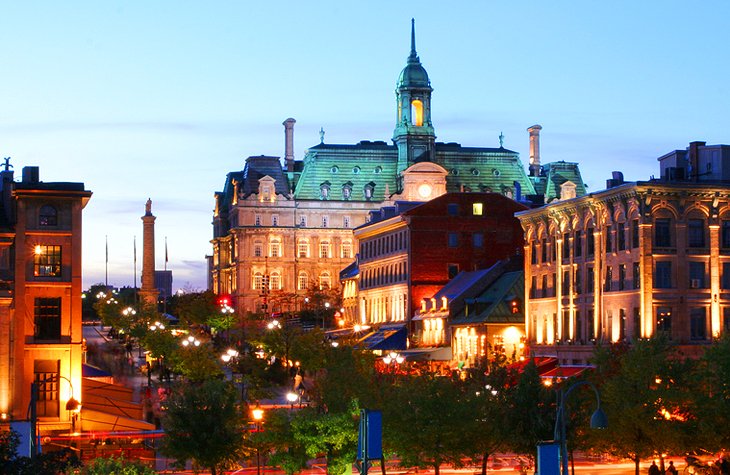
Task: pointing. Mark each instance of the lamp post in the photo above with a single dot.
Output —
(72, 405)
(258, 416)
(598, 420)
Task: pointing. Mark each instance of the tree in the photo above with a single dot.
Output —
(333, 435)
(530, 412)
(50, 462)
(646, 399)
(486, 399)
(424, 421)
(711, 383)
(287, 452)
(114, 465)
(204, 423)
(194, 308)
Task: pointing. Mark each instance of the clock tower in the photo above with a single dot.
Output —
(414, 135)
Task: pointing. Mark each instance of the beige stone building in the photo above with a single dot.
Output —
(632, 260)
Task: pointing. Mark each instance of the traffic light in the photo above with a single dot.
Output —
(224, 300)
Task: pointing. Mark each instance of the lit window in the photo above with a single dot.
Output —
(324, 249)
(324, 281)
(303, 281)
(417, 113)
(258, 281)
(47, 216)
(303, 249)
(369, 189)
(346, 192)
(324, 190)
(47, 261)
(347, 250)
(477, 209)
(275, 283)
(275, 248)
(46, 379)
(258, 249)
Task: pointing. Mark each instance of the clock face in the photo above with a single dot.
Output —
(424, 190)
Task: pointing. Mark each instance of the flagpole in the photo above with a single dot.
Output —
(135, 269)
(106, 266)
(164, 300)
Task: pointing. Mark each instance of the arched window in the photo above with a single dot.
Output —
(275, 248)
(275, 281)
(346, 191)
(324, 280)
(47, 216)
(324, 249)
(258, 249)
(347, 250)
(417, 112)
(303, 248)
(302, 281)
(258, 281)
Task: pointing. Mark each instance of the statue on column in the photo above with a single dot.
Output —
(148, 207)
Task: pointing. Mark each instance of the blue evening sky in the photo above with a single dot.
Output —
(161, 99)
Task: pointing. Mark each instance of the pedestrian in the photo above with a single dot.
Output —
(725, 465)
(671, 469)
(653, 469)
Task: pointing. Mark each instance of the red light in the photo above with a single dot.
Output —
(224, 300)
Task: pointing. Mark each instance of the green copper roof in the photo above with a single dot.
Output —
(494, 304)
(357, 167)
(482, 169)
(554, 175)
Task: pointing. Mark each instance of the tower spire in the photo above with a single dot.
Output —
(413, 56)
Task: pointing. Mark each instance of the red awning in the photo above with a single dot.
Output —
(543, 364)
(563, 372)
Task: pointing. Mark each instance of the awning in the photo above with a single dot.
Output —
(563, 372)
(88, 371)
(92, 420)
(442, 353)
(387, 337)
(542, 363)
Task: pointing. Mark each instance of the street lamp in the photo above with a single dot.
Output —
(393, 358)
(191, 340)
(598, 420)
(72, 405)
(258, 416)
(229, 355)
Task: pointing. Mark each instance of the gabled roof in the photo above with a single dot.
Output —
(351, 271)
(494, 304)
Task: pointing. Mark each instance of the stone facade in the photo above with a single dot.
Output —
(632, 260)
(292, 225)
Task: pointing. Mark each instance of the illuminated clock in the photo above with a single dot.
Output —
(424, 190)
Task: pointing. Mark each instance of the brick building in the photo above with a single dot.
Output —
(633, 260)
(409, 251)
(40, 297)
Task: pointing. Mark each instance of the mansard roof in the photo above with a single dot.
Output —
(554, 175)
(259, 167)
(494, 304)
(353, 165)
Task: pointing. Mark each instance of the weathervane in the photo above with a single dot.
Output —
(321, 135)
(7, 164)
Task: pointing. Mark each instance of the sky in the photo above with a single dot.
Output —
(162, 99)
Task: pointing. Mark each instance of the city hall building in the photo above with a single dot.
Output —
(281, 229)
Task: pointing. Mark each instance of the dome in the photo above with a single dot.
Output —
(413, 75)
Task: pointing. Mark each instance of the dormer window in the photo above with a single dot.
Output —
(334, 169)
(324, 191)
(47, 216)
(369, 190)
(347, 191)
(378, 170)
(444, 303)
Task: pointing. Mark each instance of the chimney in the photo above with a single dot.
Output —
(534, 149)
(289, 143)
(694, 159)
(31, 175)
(617, 178)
